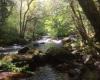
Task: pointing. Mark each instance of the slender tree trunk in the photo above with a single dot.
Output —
(92, 14)
(24, 23)
(21, 18)
(25, 26)
(83, 30)
(35, 23)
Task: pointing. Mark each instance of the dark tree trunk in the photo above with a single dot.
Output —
(99, 1)
(92, 14)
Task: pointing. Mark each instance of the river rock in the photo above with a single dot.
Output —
(23, 50)
(37, 61)
(57, 56)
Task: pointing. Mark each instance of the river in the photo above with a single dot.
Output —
(47, 73)
(43, 44)
(42, 73)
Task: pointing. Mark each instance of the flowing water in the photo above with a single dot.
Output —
(47, 73)
(43, 44)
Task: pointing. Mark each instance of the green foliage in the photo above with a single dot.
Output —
(8, 66)
(9, 30)
(39, 29)
(58, 24)
(54, 20)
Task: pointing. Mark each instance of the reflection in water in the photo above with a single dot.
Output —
(47, 73)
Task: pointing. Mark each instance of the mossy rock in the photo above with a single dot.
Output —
(57, 50)
(35, 52)
(56, 56)
(9, 58)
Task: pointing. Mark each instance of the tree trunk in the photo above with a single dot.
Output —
(77, 18)
(92, 14)
(21, 18)
(24, 21)
(99, 1)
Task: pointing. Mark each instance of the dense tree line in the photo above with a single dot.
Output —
(58, 20)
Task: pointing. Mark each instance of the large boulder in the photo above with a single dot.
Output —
(56, 56)
(37, 61)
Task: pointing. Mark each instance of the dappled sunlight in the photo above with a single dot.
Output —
(49, 39)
